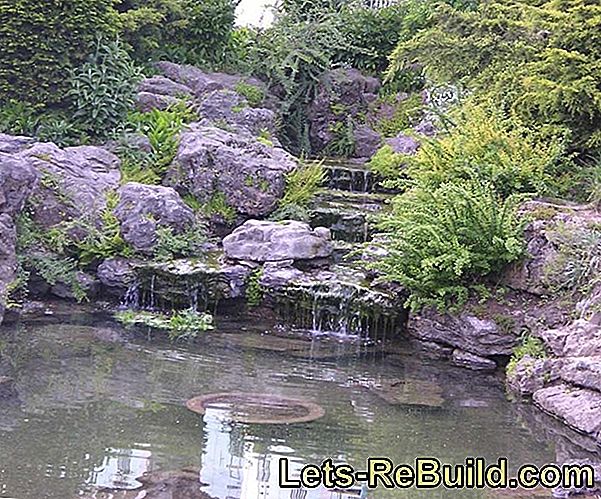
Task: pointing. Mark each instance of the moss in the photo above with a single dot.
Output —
(253, 94)
(184, 324)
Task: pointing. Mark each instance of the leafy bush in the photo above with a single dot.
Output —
(442, 241)
(170, 245)
(103, 89)
(184, 324)
(536, 60)
(483, 146)
(302, 185)
(42, 41)
(291, 55)
(387, 163)
(406, 114)
(187, 31)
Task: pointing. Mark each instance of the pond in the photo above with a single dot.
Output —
(97, 406)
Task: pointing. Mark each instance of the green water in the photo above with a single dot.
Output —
(93, 412)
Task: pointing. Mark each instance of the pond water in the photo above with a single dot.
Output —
(94, 410)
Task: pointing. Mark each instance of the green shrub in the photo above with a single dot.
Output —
(170, 245)
(387, 163)
(42, 41)
(442, 241)
(484, 146)
(302, 184)
(406, 114)
(253, 94)
(187, 31)
(536, 60)
(103, 89)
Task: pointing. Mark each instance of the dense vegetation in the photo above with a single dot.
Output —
(526, 120)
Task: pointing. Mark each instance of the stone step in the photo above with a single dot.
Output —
(349, 216)
(351, 176)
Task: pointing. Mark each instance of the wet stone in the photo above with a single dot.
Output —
(7, 388)
(410, 392)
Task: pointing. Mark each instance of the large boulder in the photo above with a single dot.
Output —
(343, 94)
(228, 109)
(482, 337)
(577, 407)
(17, 181)
(558, 238)
(8, 258)
(142, 209)
(580, 338)
(216, 165)
(263, 241)
(116, 275)
(75, 182)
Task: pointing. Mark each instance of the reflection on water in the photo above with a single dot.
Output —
(97, 411)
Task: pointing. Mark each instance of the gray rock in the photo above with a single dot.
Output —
(200, 82)
(229, 108)
(8, 388)
(279, 274)
(432, 350)
(367, 141)
(143, 208)
(215, 164)
(87, 283)
(263, 241)
(530, 375)
(11, 144)
(8, 258)
(160, 85)
(17, 181)
(582, 371)
(581, 338)
(555, 233)
(478, 336)
(460, 358)
(403, 144)
(577, 407)
(146, 101)
(116, 275)
(74, 182)
(346, 89)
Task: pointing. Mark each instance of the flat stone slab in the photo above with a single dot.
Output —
(579, 408)
(410, 392)
(582, 371)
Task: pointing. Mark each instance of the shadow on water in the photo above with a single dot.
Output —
(97, 406)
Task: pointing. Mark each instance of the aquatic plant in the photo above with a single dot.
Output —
(186, 324)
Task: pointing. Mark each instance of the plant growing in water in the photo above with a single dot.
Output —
(184, 324)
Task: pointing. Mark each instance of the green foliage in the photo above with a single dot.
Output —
(442, 241)
(530, 346)
(19, 118)
(103, 89)
(253, 94)
(537, 60)
(162, 127)
(302, 185)
(105, 241)
(387, 163)
(254, 290)
(406, 114)
(291, 55)
(484, 146)
(186, 324)
(170, 245)
(42, 41)
(34, 256)
(342, 144)
(187, 31)
(372, 34)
